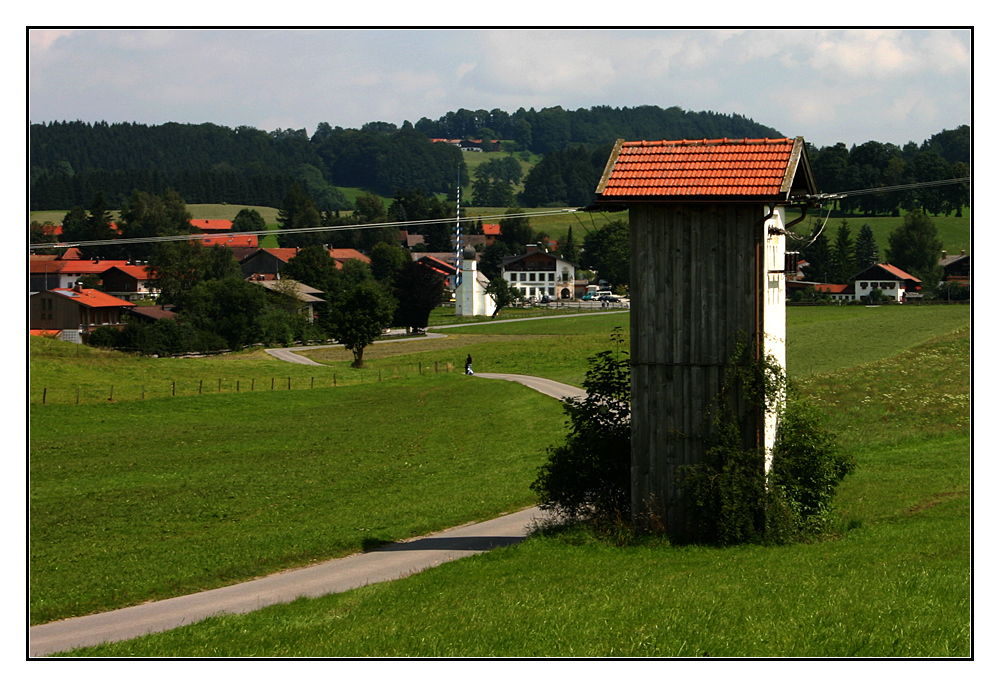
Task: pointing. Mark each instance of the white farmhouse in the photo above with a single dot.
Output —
(538, 273)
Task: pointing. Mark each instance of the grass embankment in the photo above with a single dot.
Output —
(894, 582)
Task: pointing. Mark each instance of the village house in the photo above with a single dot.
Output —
(45, 272)
(267, 263)
(894, 284)
(538, 273)
(128, 282)
(301, 297)
(76, 312)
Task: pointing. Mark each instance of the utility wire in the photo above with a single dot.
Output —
(301, 230)
(822, 197)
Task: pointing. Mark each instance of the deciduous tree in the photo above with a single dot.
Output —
(360, 316)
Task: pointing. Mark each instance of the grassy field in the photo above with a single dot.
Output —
(893, 582)
(955, 233)
(147, 500)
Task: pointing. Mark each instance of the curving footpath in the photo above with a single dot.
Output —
(390, 562)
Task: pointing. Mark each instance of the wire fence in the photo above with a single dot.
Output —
(42, 394)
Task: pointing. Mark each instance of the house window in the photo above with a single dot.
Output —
(524, 277)
(552, 277)
(864, 285)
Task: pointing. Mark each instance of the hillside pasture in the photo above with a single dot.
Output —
(893, 580)
(224, 487)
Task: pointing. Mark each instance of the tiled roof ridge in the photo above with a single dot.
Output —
(711, 141)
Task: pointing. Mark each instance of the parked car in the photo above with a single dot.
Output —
(589, 296)
(546, 299)
(610, 299)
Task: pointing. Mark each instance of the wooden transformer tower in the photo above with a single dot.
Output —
(707, 221)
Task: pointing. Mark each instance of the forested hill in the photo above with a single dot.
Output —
(208, 163)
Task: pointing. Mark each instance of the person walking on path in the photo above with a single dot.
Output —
(468, 365)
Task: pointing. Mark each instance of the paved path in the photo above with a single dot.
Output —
(391, 562)
(289, 355)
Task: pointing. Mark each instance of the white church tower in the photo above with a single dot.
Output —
(470, 295)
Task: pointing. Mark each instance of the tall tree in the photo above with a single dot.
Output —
(843, 254)
(606, 251)
(146, 215)
(818, 256)
(249, 220)
(298, 211)
(502, 292)
(569, 250)
(387, 261)
(515, 231)
(176, 267)
(360, 316)
(418, 290)
(914, 247)
(866, 250)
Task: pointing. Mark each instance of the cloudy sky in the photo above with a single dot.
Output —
(826, 85)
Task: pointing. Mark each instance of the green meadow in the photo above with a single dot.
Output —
(218, 487)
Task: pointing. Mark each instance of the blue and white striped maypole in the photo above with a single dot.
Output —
(457, 238)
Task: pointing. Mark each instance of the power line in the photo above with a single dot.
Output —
(301, 230)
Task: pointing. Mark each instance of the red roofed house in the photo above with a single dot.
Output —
(128, 282)
(893, 282)
(707, 221)
(492, 233)
(76, 312)
(268, 262)
(44, 274)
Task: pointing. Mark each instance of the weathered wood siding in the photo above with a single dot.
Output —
(696, 280)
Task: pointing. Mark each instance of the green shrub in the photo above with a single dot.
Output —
(588, 476)
(728, 498)
(808, 465)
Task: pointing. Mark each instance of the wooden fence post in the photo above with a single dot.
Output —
(111, 398)
(78, 395)
(45, 392)
(253, 383)
(237, 386)
(144, 392)
(201, 383)
(272, 383)
(173, 388)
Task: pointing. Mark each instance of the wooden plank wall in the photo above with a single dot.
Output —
(692, 287)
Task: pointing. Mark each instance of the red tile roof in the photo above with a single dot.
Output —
(212, 224)
(72, 266)
(900, 274)
(741, 169)
(140, 272)
(92, 298)
(491, 229)
(227, 240)
(342, 254)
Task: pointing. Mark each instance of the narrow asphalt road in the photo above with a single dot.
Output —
(391, 562)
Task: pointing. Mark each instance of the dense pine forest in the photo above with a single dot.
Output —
(70, 162)
(207, 163)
